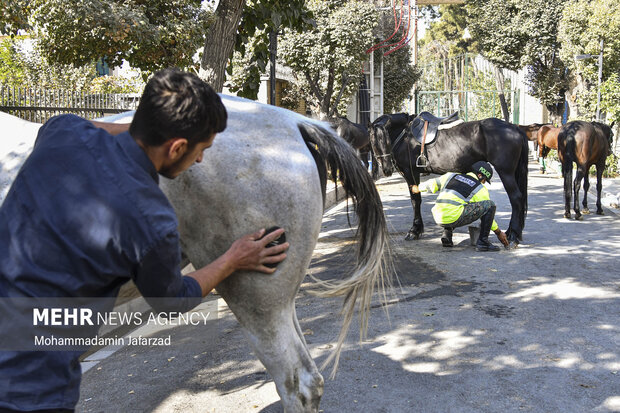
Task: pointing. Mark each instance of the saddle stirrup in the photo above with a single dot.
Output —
(422, 162)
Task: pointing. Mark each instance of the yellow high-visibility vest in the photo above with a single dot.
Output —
(451, 201)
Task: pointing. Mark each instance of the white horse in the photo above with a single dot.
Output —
(269, 168)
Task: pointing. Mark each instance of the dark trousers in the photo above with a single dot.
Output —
(471, 213)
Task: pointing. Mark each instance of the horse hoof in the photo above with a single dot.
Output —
(567, 215)
(578, 217)
(512, 245)
(585, 211)
(600, 212)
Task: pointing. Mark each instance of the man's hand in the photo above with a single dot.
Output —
(247, 253)
(250, 252)
(501, 236)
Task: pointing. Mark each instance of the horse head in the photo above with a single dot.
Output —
(381, 143)
(608, 133)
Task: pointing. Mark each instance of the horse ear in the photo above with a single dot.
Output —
(612, 124)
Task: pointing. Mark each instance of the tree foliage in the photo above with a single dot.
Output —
(448, 30)
(584, 24)
(517, 33)
(327, 60)
(252, 51)
(147, 34)
(24, 64)
(547, 73)
(497, 26)
(14, 16)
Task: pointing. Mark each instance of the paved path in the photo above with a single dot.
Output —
(535, 329)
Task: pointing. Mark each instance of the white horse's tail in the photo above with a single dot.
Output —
(373, 267)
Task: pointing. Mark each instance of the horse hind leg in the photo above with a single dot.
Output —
(567, 172)
(278, 342)
(599, 188)
(579, 175)
(586, 188)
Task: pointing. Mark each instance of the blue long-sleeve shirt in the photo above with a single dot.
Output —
(83, 216)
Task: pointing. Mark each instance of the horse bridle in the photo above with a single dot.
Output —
(395, 144)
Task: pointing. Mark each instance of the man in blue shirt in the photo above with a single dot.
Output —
(85, 214)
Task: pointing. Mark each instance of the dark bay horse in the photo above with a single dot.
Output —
(586, 144)
(454, 150)
(357, 136)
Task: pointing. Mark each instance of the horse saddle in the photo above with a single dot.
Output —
(418, 129)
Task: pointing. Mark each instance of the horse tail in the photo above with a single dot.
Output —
(373, 268)
(521, 174)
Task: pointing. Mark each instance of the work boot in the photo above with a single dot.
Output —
(446, 238)
(486, 221)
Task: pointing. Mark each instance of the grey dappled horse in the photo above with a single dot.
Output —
(268, 168)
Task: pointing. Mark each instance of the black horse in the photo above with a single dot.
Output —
(358, 137)
(586, 144)
(455, 149)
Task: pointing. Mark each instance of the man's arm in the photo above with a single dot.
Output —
(111, 128)
(247, 253)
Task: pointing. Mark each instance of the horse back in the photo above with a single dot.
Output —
(548, 136)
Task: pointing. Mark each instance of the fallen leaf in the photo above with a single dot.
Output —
(131, 392)
(428, 314)
(308, 332)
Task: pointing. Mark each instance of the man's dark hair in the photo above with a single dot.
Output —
(177, 104)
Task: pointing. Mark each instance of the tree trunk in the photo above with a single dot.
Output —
(576, 86)
(220, 42)
(555, 113)
(500, 82)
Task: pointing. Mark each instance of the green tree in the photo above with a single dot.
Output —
(498, 27)
(252, 47)
(547, 73)
(11, 67)
(149, 35)
(327, 60)
(152, 35)
(24, 64)
(14, 16)
(449, 31)
(582, 27)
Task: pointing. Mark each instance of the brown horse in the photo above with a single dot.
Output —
(547, 140)
(531, 131)
(586, 144)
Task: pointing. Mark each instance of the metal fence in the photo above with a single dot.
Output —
(38, 105)
(471, 104)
